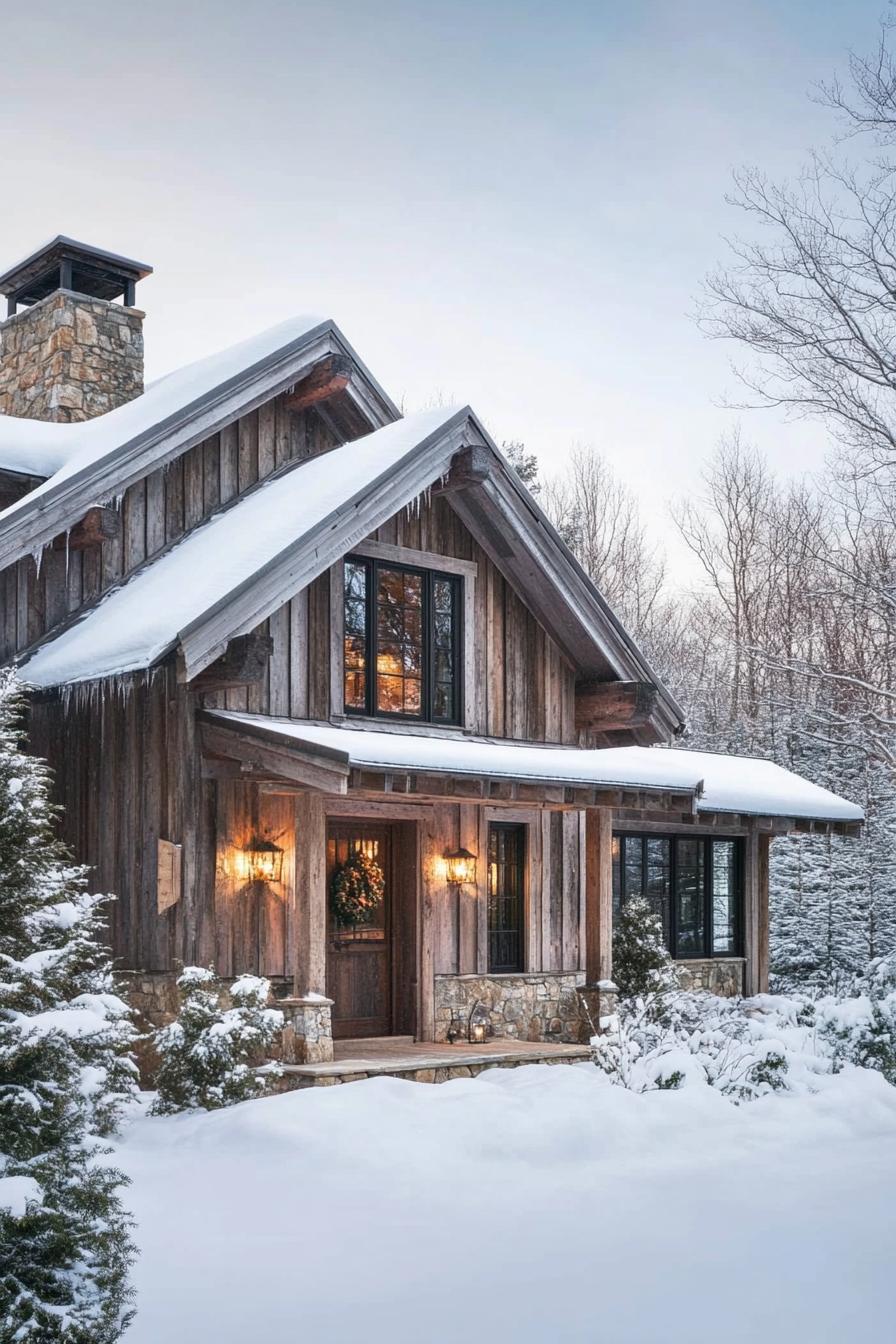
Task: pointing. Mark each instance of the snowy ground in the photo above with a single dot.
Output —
(537, 1204)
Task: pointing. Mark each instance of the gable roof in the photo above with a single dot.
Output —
(229, 573)
(742, 785)
(233, 571)
(98, 459)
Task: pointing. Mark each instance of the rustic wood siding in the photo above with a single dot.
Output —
(155, 512)
(523, 687)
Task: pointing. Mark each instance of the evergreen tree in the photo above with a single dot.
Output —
(65, 1075)
(641, 962)
(210, 1055)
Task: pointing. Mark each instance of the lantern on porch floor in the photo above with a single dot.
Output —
(460, 866)
(480, 1024)
(263, 860)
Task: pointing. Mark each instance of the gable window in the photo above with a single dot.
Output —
(693, 883)
(402, 641)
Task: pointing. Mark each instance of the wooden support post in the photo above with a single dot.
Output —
(754, 897)
(763, 893)
(598, 894)
(307, 929)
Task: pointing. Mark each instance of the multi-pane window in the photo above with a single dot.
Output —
(693, 883)
(402, 642)
(506, 896)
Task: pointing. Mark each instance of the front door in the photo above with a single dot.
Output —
(359, 946)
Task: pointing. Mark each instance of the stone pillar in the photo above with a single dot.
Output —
(70, 357)
(307, 1029)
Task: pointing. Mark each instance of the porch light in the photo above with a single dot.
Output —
(460, 866)
(480, 1024)
(263, 860)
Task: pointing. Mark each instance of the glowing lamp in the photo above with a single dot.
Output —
(263, 860)
(460, 867)
(479, 1025)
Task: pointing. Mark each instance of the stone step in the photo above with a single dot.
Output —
(423, 1067)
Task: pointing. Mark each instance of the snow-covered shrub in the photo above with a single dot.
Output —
(212, 1056)
(669, 1040)
(65, 1075)
(861, 1029)
(641, 961)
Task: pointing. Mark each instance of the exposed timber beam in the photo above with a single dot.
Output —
(611, 706)
(327, 377)
(243, 664)
(97, 526)
(471, 466)
(264, 759)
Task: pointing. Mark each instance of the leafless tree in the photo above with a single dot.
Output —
(598, 518)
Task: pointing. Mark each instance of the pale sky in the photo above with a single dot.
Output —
(505, 202)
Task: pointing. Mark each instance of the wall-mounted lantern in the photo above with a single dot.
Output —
(480, 1024)
(262, 860)
(460, 866)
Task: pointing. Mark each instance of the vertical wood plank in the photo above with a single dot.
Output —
(570, 892)
(598, 894)
(763, 858)
(229, 453)
(752, 907)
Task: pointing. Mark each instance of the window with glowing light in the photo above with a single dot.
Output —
(402, 642)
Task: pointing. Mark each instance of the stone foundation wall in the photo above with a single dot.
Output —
(70, 357)
(542, 1006)
(718, 975)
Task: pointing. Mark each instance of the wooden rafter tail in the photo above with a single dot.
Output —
(244, 664)
(327, 377)
(471, 466)
(96, 527)
(610, 706)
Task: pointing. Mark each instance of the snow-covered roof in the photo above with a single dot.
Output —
(136, 624)
(40, 449)
(89, 462)
(739, 784)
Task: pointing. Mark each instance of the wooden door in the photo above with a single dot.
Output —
(359, 958)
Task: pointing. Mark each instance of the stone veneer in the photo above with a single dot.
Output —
(70, 357)
(307, 1036)
(719, 975)
(541, 1006)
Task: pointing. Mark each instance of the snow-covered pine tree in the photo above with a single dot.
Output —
(210, 1055)
(641, 961)
(65, 1073)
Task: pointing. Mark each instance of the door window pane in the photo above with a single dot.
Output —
(690, 897)
(724, 897)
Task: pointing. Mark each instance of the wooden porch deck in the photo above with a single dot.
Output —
(424, 1061)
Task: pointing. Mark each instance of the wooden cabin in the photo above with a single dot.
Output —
(328, 699)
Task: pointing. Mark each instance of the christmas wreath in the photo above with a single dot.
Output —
(356, 891)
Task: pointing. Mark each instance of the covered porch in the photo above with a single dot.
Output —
(521, 945)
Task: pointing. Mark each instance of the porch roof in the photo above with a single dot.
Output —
(713, 783)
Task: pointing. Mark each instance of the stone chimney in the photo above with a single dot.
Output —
(72, 353)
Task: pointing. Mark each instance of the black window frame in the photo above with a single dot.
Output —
(521, 830)
(372, 566)
(709, 953)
